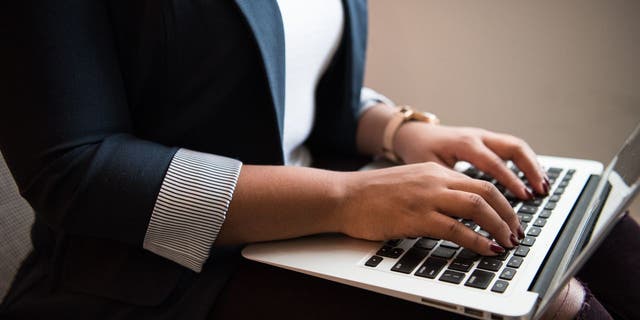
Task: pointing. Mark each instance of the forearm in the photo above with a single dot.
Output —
(279, 202)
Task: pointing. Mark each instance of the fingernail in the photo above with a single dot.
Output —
(528, 192)
(496, 248)
(520, 232)
(546, 179)
(514, 240)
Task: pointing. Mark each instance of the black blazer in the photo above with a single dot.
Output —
(96, 98)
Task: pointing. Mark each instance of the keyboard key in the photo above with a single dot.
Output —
(563, 184)
(443, 252)
(540, 222)
(521, 251)
(510, 196)
(450, 244)
(502, 256)
(515, 170)
(559, 191)
(484, 233)
(534, 231)
(545, 214)
(500, 286)
(472, 172)
(524, 225)
(553, 170)
(373, 261)
(396, 252)
(490, 264)
(460, 264)
(468, 254)
(389, 252)
(480, 279)
(452, 276)
(535, 202)
(385, 251)
(515, 262)
(410, 260)
(469, 224)
(528, 209)
(426, 243)
(525, 217)
(508, 274)
(431, 267)
(514, 203)
(550, 206)
(528, 241)
(554, 198)
(485, 177)
(552, 175)
(394, 242)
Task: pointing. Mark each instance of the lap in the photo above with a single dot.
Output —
(258, 290)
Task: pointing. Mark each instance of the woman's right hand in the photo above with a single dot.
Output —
(425, 200)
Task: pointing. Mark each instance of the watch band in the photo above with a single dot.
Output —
(402, 115)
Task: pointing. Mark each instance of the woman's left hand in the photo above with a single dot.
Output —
(420, 142)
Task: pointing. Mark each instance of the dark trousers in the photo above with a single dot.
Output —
(255, 291)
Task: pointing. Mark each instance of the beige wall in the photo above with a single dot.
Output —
(564, 75)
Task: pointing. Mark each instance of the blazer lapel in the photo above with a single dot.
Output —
(263, 17)
(356, 45)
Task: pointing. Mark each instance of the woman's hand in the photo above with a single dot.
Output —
(417, 142)
(424, 200)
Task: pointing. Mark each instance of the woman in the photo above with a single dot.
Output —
(150, 138)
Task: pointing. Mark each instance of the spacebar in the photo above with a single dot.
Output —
(410, 260)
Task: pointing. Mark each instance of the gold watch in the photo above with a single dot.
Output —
(403, 114)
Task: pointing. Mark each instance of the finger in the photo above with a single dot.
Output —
(494, 198)
(440, 226)
(515, 149)
(472, 206)
(486, 160)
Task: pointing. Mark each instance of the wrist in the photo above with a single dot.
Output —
(405, 139)
(402, 116)
(340, 186)
(371, 128)
(348, 186)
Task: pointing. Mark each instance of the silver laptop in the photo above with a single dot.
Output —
(562, 232)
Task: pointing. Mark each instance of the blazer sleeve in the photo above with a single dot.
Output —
(67, 136)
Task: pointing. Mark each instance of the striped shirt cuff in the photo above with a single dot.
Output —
(191, 207)
(370, 97)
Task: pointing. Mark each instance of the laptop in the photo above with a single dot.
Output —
(562, 231)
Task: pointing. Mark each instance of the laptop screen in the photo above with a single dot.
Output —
(622, 175)
(618, 185)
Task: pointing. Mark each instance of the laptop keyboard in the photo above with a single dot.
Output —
(446, 261)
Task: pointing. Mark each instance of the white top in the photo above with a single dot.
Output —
(312, 33)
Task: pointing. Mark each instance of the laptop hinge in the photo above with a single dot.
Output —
(551, 262)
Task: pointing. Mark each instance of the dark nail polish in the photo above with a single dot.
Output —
(496, 248)
(514, 240)
(546, 179)
(529, 193)
(520, 232)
